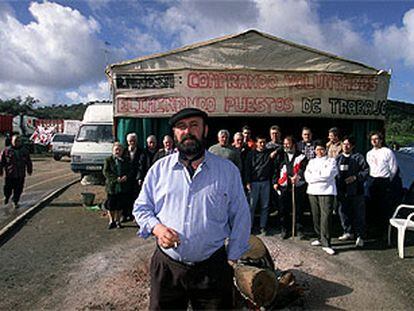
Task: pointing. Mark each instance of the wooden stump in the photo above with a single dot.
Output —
(258, 254)
(259, 285)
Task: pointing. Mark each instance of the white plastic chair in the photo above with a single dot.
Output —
(402, 224)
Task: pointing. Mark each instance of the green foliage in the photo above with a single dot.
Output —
(15, 106)
(399, 118)
(72, 112)
(399, 122)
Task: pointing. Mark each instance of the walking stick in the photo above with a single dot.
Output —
(293, 212)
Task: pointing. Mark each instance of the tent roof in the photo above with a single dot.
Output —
(250, 50)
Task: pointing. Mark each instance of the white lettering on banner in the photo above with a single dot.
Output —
(251, 93)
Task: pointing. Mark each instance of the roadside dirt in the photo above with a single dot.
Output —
(65, 258)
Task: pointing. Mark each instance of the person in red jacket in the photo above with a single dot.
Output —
(15, 161)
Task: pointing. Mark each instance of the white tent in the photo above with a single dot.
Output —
(248, 74)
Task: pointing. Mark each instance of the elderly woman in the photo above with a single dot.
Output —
(116, 171)
(320, 175)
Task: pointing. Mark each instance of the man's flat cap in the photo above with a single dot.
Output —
(186, 113)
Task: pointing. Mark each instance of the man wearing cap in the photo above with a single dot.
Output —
(192, 202)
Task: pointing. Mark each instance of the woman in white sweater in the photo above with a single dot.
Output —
(320, 175)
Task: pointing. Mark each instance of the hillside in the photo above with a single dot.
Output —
(400, 122)
(27, 106)
(399, 118)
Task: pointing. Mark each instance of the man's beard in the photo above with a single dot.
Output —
(190, 145)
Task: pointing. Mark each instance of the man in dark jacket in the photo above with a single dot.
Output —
(258, 176)
(147, 158)
(353, 171)
(15, 160)
(306, 146)
(168, 149)
(289, 172)
(133, 154)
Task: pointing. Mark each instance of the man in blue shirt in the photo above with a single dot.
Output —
(193, 202)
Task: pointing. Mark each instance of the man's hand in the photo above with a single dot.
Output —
(294, 180)
(276, 186)
(122, 179)
(248, 187)
(350, 179)
(232, 263)
(166, 237)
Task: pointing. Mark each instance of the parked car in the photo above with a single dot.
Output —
(62, 145)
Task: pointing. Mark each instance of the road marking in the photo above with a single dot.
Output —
(48, 180)
(47, 172)
(44, 182)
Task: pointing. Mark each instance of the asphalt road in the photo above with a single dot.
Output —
(65, 258)
(48, 175)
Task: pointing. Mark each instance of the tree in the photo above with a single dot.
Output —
(16, 106)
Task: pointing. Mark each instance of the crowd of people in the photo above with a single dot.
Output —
(281, 177)
(288, 176)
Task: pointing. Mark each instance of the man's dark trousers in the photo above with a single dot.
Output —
(15, 186)
(352, 212)
(207, 285)
(286, 208)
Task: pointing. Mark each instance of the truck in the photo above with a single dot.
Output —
(24, 125)
(6, 123)
(71, 127)
(94, 140)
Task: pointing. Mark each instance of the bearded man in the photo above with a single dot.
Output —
(192, 202)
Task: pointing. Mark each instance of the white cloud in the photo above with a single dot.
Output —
(141, 43)
(59, 49)
(43, 94)
(295, 20)
(59, 56)
(393, 43)
(91, 92)
(190, 21)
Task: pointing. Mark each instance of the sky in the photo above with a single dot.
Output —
(56, 51)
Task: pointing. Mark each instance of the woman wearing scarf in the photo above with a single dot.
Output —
(116, 170)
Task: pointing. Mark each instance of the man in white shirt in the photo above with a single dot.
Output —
(382, 169)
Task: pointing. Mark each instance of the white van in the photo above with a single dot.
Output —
(94, 140)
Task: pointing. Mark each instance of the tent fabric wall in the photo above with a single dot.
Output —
(361, 130)
(143, 127)
(159, 127)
